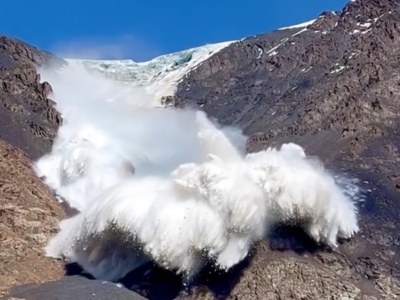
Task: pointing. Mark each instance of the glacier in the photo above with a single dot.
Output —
(159, 76)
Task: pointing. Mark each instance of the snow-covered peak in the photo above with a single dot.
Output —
(158, 76)
(301, 25)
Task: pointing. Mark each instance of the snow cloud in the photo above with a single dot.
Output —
(120, 47)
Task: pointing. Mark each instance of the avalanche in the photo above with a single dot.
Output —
(151, 182)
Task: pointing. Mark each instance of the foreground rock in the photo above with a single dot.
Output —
(74, 287)
(28, 216)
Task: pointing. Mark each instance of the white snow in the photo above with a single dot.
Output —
(272, 52)
(299, 32)
(260, 52)
(367, 24)
(301, 25)
(151, 182)
(366, 31)
(352, 55)
(337, 70)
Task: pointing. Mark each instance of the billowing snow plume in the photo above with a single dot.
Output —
(171, 186)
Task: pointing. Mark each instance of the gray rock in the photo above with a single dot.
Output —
(28, 119)
(73, 287)
(333, 87)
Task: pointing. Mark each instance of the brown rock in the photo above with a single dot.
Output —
(28, 216)
(29, 213)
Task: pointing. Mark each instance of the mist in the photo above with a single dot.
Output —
(171, 186)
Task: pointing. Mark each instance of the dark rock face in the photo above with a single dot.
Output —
(28, 119)
(333, 87)
(333, 76)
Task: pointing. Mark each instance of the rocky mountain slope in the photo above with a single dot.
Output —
(28, 216)
(333, 87)
(28, 121)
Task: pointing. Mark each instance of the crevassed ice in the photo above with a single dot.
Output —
(158, 76)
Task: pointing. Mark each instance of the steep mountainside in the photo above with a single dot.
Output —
(333, 86)
(337, 74)
(28, 210)
(28, 119)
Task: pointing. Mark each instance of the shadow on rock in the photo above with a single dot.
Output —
(284, 237)
(221, 283)
(153, 282)
(73, 269)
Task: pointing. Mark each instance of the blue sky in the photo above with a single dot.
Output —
(142, 29)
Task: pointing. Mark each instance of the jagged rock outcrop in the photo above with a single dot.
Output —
(28, 119)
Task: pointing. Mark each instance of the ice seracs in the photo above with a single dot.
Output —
(159, 76)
